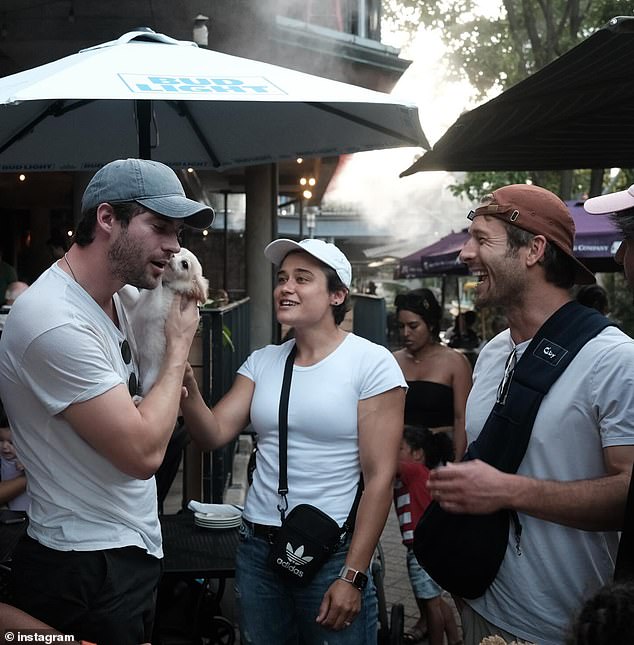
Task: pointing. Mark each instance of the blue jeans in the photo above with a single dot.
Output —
(273, 611)
(423, 586)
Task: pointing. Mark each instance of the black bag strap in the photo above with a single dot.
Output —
(282, 424)
(282, 489)
(507, 430)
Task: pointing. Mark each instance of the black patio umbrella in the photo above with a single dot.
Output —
(576, 112)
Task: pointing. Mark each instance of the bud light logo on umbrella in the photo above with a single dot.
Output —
(251, 85)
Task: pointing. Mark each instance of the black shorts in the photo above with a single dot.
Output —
(105, 597)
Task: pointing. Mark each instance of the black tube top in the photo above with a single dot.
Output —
(429, 404)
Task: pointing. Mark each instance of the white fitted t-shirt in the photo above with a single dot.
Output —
(60, 348)
(591, 406)
(323, 443)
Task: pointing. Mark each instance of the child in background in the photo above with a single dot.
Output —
(12, 479)
(422, 450)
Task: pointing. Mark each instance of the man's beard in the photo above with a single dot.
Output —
(127, 261)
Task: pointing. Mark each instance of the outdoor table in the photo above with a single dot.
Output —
(193, 556)
(196, 552)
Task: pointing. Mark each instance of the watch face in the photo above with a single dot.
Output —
(360, 580)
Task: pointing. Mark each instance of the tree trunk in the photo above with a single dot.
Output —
(565, 184)
(596, 182)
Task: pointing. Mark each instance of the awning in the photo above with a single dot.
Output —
(576, 112)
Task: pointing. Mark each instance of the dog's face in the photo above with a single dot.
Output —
(184, 274)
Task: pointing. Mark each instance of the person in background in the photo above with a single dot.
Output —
(14, 290)
(463, 335)
(594, 296)
(421, 451)
(68, 375)
(621, 206)
(439, 378)
(7, 276)
(345, 418)
(11, 488)
(570, 490)
(10, 467)
(607, 618)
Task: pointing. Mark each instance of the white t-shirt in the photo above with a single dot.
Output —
(58, 348)
(323, 444)
(537, 594)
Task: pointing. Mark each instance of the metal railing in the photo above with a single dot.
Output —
(225, 344)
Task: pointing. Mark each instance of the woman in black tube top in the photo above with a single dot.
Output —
(439, 378)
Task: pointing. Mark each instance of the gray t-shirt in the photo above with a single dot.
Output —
(537, 594)
(59, 348)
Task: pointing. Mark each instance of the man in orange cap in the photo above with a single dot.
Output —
(570, 490)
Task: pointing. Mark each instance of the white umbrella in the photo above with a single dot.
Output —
(149, 95)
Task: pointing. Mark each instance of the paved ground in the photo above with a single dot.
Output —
(396, 582)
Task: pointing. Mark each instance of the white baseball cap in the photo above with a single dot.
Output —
(610, 203)
(327, 253)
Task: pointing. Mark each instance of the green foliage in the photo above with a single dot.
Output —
(477, 184)
(227, 341)
(496, 51)
(500, 50)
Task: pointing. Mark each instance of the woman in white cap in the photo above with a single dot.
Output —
(345, 419)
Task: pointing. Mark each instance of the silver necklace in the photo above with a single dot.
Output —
(71, 268)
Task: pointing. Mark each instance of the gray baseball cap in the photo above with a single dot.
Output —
(151, 184)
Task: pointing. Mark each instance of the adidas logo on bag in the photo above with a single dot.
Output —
(295, 557)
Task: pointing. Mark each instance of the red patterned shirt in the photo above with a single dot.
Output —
(411, 496)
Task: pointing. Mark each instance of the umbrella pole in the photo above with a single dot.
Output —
(143, 110)
(225, 249)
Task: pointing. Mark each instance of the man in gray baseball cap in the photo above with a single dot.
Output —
(68, 375)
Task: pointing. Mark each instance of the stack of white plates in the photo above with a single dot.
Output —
(217, 516)
(219, 520)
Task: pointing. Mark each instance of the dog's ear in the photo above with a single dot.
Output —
(200, 289)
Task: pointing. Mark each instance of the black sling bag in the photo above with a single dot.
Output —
(463, 552)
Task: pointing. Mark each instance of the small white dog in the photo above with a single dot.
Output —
(182, 275)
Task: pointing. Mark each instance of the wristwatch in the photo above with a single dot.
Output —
(356, 578)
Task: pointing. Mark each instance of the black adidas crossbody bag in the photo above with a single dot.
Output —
(308, 536)
(463, 552)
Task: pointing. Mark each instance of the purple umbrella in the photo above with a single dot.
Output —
(597, 238)
(438, 258)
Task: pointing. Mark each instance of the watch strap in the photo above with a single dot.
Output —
(356, 578)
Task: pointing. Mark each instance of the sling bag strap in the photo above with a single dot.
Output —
(506, 432)
(282, 489)
(449, 544)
